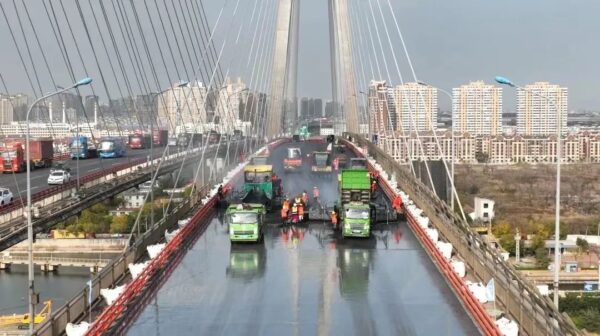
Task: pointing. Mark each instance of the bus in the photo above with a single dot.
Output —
(111, 148)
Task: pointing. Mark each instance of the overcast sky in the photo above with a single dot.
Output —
(449, 42)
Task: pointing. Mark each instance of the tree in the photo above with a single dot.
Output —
(583, 245)
(482, 157)
(121, 224)
(501, 227)
(92, 222)
(541, 256)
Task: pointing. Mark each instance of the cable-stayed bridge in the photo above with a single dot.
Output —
(302, 279)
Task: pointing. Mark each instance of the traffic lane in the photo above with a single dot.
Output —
(39, 176)
(305, 281)
(294, 183)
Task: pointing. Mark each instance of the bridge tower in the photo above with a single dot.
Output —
(285, 69)
(342, 68)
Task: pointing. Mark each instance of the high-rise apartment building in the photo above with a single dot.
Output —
(183, 106)
(229, 100)
(540, 107)
(416, 107)
(381, 107)
(477, 109)
(12, 107)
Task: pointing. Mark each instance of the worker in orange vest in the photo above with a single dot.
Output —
(286, 205)
(305, 197)
(373, 186)
(300, 212)
(334, 219)
(284, 215)
(397, 203)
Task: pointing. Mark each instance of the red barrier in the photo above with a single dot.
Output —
(482, 319)
(112, 313)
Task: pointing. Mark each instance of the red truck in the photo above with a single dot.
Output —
(12, 155)
(160, 138)
(139, 141)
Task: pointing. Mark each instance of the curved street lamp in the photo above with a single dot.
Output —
(32, 296)
(508, 82)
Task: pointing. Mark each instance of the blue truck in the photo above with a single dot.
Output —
(82, 147)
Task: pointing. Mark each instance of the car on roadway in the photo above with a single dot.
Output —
(59, 176)
(6, 196)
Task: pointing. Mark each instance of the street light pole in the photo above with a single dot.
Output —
(453, 150)
(505, 81)
(33, 299)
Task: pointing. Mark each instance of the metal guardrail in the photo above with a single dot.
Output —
(535, 313)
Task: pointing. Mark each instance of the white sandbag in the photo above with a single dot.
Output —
(478, 291)
(170, 235)
(543, 289)
(507, 327)
(80, 329)
(433, 234)
(136, 269)
(154, 250)
(458, 267)
(445, 249)
(110, 295)
(183, 222)
(423, 222)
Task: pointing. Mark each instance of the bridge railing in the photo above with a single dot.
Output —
(535, 313)
(117, 270)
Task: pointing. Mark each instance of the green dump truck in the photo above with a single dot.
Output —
(245, 222)
(354, 203)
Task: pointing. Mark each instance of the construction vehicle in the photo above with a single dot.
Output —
(259, 160)
(21, 321)
(321, 162)
(245, 222)
(83, 148)
(260, 186)
(293, 160)
(12, 154)
(355, 198)
(301, 134)
(139, 141)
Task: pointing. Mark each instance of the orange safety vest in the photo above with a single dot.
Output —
(286, 205)
(294, 208)
(300, 210)
(334, 218)
(284, 213)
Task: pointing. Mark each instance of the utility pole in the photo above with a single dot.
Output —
(517, 246)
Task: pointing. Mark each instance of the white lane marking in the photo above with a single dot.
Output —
(91, 170)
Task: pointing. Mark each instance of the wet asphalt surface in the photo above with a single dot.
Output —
(305, 280)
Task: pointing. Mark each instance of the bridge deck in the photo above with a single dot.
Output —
(305, 280)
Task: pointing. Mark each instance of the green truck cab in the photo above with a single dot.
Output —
(245, 222)
(355, 196)
(301, 134)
